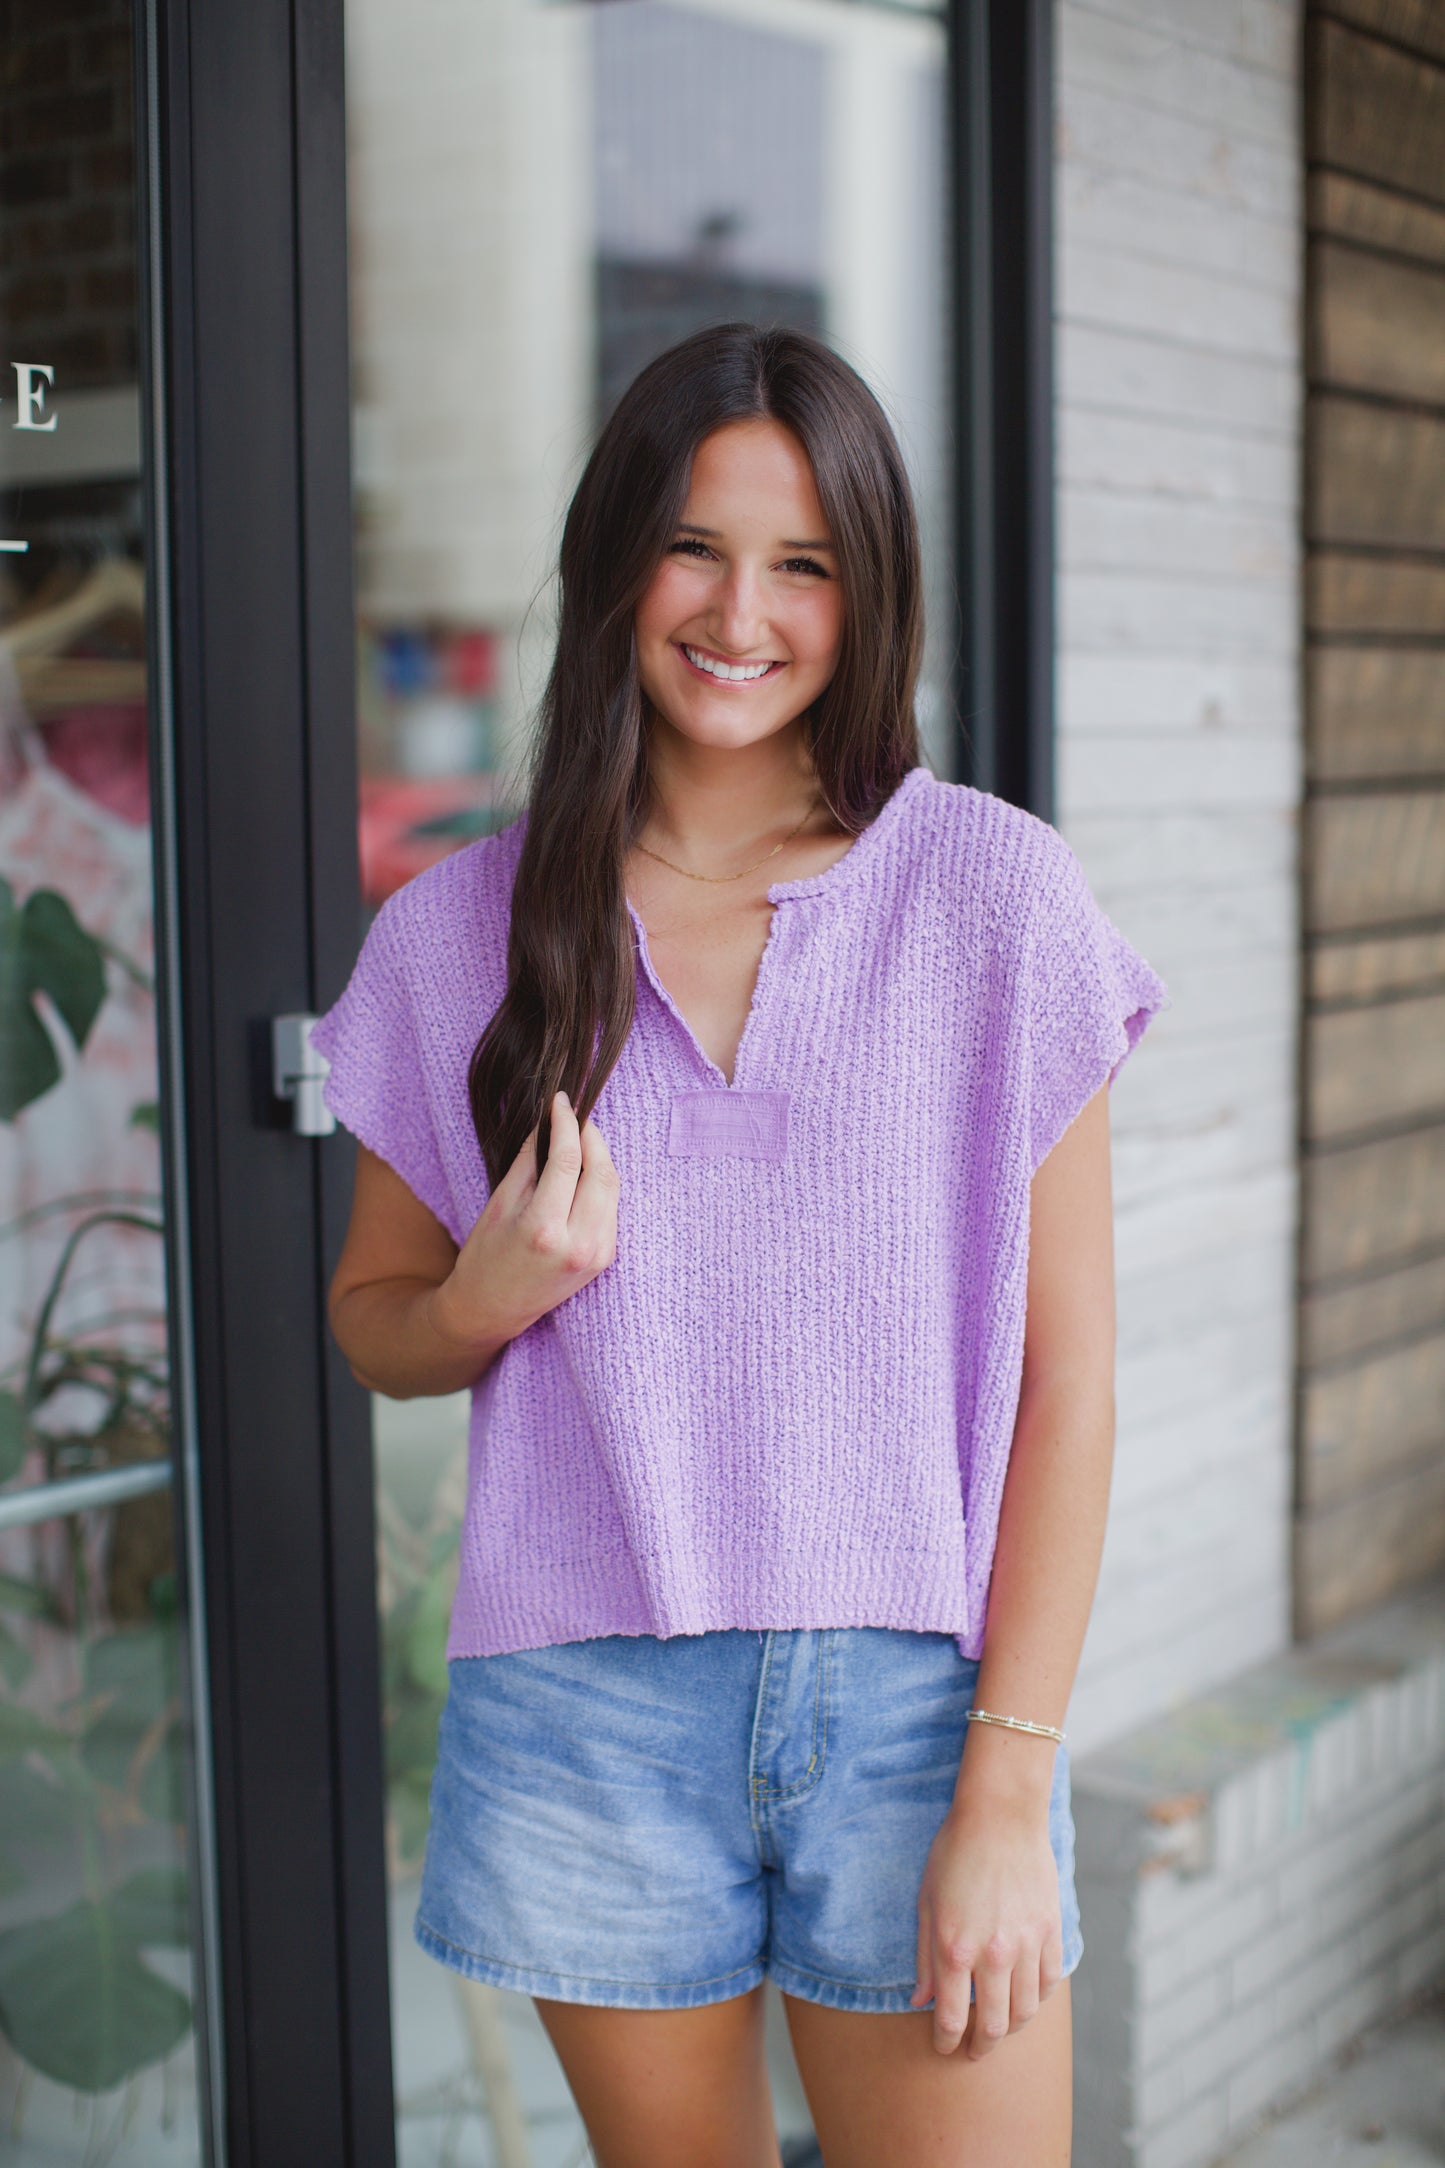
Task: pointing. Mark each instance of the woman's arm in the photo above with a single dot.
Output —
(989, 1905)
(414, 1315)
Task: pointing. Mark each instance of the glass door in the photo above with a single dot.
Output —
(98, 1852)
(543, 195)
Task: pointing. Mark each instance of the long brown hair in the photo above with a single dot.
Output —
(571, 980)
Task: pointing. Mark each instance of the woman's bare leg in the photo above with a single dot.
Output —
(657, 2088)
(880, 2091)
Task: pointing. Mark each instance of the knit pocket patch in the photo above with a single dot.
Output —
(729, 1125)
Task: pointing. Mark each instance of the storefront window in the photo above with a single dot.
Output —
(544, 194)
(96, 1979)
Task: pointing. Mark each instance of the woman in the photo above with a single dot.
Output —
(757, 1662)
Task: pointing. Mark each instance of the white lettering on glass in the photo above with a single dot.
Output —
(30, 395)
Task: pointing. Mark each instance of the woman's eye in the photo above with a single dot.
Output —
(688, 545)
(806, 564)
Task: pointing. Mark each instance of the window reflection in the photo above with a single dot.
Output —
(96, 1979)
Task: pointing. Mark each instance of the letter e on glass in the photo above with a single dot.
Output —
(30, 396)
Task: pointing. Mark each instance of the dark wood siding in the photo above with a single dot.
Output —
(1371, 1469)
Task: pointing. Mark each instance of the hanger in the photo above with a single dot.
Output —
(36, 645)
(116, 583)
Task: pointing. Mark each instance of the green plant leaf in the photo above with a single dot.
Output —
(77, 2003)
(153, 1908)
(426, 1645)
(411, 1740)
(135, 1669)
(163, 1785)
(395, 1641)
(28, 1062)
(165, 1596)
(131, 1676)
(15, 1659)
(27, 1597)
(146, 1116)
(63, 961)
(14, 1431)
(33, 1810)
(446, 1543)
(21, 1731)
(43, 948)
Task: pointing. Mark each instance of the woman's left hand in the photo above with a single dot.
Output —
(988, 1918)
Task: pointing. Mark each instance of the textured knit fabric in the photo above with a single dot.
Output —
(789, 1400)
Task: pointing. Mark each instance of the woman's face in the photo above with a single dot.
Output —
(739, 629)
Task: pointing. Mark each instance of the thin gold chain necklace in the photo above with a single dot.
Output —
(746, 869)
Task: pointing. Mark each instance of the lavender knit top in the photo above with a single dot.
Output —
(789, 1400)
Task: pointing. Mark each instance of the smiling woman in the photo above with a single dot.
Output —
(748, 1441)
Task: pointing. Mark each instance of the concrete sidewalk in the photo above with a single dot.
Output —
(1383, 2105)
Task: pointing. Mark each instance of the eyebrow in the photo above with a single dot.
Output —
(686, 527)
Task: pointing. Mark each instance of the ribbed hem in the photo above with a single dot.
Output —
(585, 1599)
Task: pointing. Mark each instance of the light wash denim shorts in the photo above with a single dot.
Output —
(654, 1824)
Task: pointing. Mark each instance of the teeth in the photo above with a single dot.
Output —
(736, 673)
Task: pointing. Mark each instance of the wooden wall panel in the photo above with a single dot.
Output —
(1374, 1067)
(1376, 112)
(1374, 860)
(1374, 1418)
(1351, 1556)
(1374, 474)
(1370, 1485)
(1391, 597)
(1364, 1316)
(1364, 968)
(1376, 324)
(1376, 712)
(1357, 210)
(1417, 24)
(1373, 1203)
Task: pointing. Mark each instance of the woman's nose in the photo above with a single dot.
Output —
(741, 616)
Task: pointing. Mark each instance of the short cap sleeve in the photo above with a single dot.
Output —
(377, 1083)
(1090, 996)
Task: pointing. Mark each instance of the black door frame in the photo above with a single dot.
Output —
(258, 913)
(1003, 166)
(258, 899)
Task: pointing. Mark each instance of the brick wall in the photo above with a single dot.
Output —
(67, 176)
(1262, 1876)
(1179, 228)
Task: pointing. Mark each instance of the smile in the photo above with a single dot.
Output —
(727, 673)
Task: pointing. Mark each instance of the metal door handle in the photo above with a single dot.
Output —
(297, 1074)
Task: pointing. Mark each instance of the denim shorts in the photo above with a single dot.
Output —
(655, 1824)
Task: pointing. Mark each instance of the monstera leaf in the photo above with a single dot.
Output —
(132, 1677)
(43, 949)
(78, 2002)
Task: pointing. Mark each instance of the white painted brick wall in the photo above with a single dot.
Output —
(1179, 407)
(1261, 1877)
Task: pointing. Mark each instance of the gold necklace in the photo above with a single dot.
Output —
(746, 869)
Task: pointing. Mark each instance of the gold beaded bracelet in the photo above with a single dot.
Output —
(1016, 1723)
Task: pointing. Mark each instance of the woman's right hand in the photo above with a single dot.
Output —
(539, 1238)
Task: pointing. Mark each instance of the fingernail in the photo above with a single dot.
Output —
(565, 1100)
